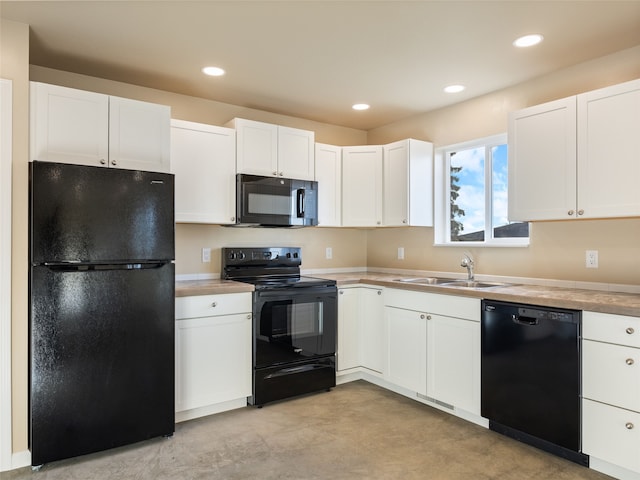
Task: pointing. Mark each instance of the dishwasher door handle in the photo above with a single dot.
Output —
(522, 320)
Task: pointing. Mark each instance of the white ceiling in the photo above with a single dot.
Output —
(314, 59)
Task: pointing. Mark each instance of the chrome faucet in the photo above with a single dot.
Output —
(467, 262)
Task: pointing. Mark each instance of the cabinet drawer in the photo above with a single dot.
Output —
(605, 327)
(213, 305)
(611, 434)
(610, 374)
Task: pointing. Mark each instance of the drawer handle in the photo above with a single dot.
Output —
(629, 330)
(629, 425)
(629, 361)
(214, 304)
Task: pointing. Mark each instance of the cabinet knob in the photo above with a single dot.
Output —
(379, 292)
(113, 162)
(422, 316)
(629, 425)
(428, 317)
(580, 212)
(214, 304)
(378, 222)
(248, 316)
(404, 221)
(629, 361)
(570, 213)
(275, 174)
(233, 219)
(629, 330)
(102, 161)
(341, 292)
(281, 174)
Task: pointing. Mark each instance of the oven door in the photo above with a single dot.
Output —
(294, 324)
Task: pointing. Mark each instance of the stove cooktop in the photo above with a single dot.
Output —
(286, 281)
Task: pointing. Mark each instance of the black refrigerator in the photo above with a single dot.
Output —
(101, 308)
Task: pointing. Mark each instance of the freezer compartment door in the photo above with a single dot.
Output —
(101, 359)
(100, 215)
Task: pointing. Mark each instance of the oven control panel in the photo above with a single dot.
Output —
(261, 256)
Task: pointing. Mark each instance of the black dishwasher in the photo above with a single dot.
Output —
(531, 375)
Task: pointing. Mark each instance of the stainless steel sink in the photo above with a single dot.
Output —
(426, 280)
(472, 284)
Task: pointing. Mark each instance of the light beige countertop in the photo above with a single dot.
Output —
(574, 298)
(188, 288)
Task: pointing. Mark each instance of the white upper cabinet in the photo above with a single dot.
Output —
(86, 128)
(203, 159)
(272, 150)
(139, 135)
(329, 178)
(408, 183)
(362, 186)
(542, 161)
(609, 151)
(576, 157)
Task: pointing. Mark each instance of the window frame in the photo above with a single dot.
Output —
(442, 196)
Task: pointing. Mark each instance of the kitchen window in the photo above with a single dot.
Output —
(471, 196)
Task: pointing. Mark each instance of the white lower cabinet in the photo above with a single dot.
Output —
(407, 349)
(453, 361)
(213, 352)
(611, 389)
(360, 328)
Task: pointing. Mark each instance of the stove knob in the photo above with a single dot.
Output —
(232, 255)
(295, 255)
(241, 255)
(288, 254)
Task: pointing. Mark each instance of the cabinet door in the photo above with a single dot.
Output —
(348, 354)
(395, 201)
(329, 178)
(139, 135)
(542, 162)
(610, 374)
(203, 159)
(362, 186)
(608, 148)
(296, 153)
(407, 349)
(69, 125)
(257, 147)
(372, 329)
(453, 360)
(213, 360)
(611, 434)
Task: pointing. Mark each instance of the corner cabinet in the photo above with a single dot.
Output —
(329, 177)
(213, 353)
(581, 151)
(362, 186)
(274, 150)
(203, 159)
(408, 183)
(611, 389)
(87, 128)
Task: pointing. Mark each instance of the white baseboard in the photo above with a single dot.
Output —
(210, 409)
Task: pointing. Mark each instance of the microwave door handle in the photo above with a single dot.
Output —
(300, 202)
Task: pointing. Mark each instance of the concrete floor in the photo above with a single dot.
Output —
(356, 431)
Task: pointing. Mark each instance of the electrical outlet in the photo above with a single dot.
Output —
(206, 255)
(592, 259)
(400, 253)
(328, 253)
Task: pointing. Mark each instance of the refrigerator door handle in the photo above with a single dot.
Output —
(82, 267)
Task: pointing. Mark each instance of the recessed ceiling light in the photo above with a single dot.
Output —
(360, 106)
(213, 71)
(454, 88)
(528, 40)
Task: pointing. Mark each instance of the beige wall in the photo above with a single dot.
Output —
(557, 249)
(14, 65)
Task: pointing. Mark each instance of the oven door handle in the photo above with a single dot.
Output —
(286, 293)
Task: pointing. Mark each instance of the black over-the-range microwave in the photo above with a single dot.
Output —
(275, 202)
